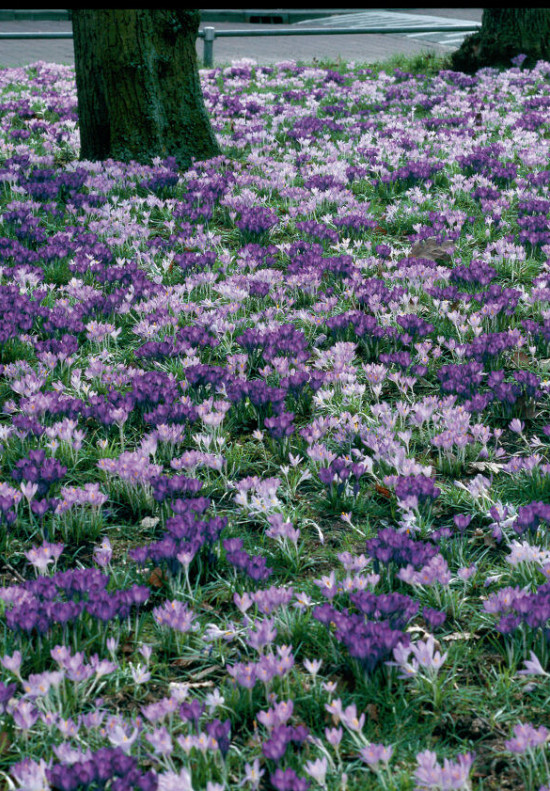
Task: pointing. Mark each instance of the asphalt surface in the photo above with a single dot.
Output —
(360, 48)
(405, 19)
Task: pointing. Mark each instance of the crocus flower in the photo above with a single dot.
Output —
(24, 714)
(170, 781)
(253, 774)
(526, 737)
(103, 553)
(161, 741)
(12, 663)
(30, 775)
(532, 667)
(317, 770)
(176, 615)
(375, 754)
(42, 556)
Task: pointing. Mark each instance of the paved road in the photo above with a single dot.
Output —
(358, 48)
(382, 18)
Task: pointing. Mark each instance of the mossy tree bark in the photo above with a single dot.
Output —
(139, 93)
(505, 33)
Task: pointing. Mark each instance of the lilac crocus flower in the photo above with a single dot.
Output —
(118, 733)
(12, 663)
(313, 666)
(532, 667)
(425, 655)
(317, 770)
(452, 775)
(103, 553)
(252, 774)
(170, 781)
(30, 775)
(334, 736)
(24, 714)
(288, 780)
(42, 556)
(375, 754)
(526, 737)
(244, 675)
(161, 741)
(176, 615)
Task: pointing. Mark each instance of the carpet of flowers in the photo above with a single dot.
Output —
(274, 468)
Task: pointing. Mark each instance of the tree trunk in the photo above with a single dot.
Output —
(504, 34)
(139, 94)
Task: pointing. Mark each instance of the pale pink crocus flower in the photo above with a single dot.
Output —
(428, 772)
(516, 426)
(351, 720)
(103, 553)
(313, 666)
(243, 603)
(185, 558)
(532, 667)
(425, 655)
(253, 775)
(170, 781)
(317, 770)
(41, 557)
(30, 774)
(373, 754)
(140, 674)
(334, 736)
(330, 687)
(28, 489)
(24, 714)
(12, 663)
(119, 737)
(336, 709)
(465, 572)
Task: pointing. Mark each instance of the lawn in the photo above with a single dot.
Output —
(274, 438)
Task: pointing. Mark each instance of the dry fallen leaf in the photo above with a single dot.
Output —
(383, 491)
(208, 671)
(486, 466)
(183, 662)
(418, 630)
(520, 358)
(372, 711)
(433, 250)
(201, 685)
(424, 635)
(157, 578)
(149, 522)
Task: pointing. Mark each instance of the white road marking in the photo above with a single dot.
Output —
(389, 19)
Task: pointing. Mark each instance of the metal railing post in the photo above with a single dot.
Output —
(209, 36)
